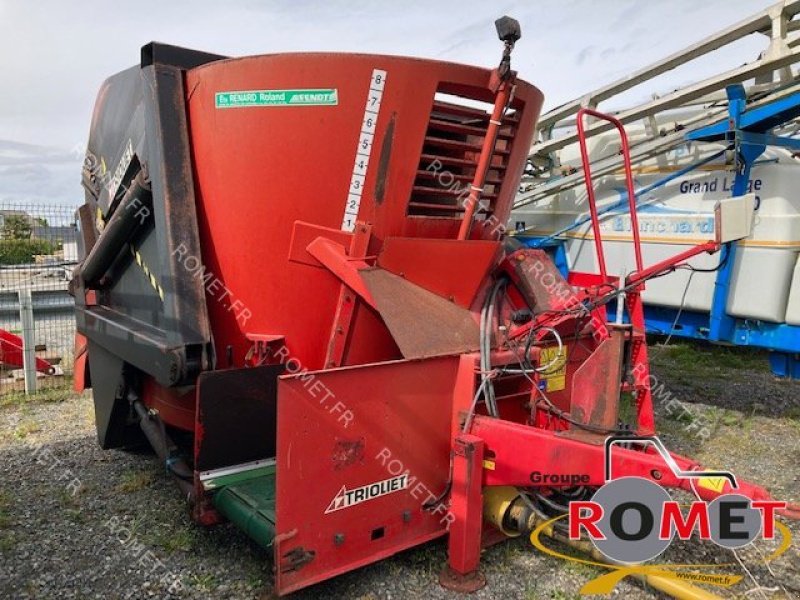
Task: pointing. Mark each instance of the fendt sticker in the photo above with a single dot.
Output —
(347, 498)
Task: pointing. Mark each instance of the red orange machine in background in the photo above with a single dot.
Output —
(296, 286)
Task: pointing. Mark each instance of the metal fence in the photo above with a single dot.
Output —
(38, 252)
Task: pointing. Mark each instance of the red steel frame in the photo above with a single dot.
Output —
(517, 449)
(11, 353)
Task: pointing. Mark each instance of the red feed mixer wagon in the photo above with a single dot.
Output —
(295, 285)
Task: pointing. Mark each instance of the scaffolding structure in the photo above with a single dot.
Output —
(746, 109)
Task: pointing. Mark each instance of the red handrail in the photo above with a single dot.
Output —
(587, 177)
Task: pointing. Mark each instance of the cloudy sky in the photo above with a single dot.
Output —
(54, 54)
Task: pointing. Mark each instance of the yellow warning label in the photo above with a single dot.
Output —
(555, 376)
(715, 484)
(489, 464)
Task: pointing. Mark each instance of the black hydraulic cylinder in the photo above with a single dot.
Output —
(134, 209)
(165, 448)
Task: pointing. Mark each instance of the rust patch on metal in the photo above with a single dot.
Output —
(347, 452)
(540, 281)
(296, 558)
(596, 387)
(383, 160)
(463, 584)
(422, 323)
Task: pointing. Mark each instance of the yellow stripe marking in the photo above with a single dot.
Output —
(151, 278)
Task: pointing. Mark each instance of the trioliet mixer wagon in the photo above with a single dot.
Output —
(295, 284)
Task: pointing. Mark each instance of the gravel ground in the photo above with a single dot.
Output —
(58, 544)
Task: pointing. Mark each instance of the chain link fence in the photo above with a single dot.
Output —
(38, 252)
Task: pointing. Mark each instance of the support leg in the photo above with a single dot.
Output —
(464, 545)
(785, 364)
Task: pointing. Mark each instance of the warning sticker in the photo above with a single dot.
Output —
(244, 99)
(555, 377)
(715, 484)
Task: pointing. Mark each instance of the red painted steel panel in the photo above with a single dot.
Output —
(259, 169)
(397, 411)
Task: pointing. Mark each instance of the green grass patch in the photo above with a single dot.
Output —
(427, 559)
(133, 481)
(531, 591)
(793, 412)
(46, 396)
(7, 537)
(69, 500)
(204, 582)
(5, 508)
(578, 568)
(180, 541)
(171, 539)
(731, 418)
(255, 581)
(25, 428)
(7, 542)
(705, 359)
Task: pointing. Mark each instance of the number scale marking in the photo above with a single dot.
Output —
(364, 149)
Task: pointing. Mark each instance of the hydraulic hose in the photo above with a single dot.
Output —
(507, 509)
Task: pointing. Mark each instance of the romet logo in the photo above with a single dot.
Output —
(631, 520)
(347, 498)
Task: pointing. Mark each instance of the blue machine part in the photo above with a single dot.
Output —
(747, 132)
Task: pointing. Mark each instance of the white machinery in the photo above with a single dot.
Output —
(731, 134)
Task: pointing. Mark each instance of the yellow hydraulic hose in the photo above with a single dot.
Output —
(498, 501)
(672, 587)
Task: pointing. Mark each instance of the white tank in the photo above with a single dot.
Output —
(766, 276)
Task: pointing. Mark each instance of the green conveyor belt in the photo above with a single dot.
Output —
(250, 503)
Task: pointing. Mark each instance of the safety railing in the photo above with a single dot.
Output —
(587, 177)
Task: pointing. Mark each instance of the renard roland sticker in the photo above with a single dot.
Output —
(347, 498)
(248, 98)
